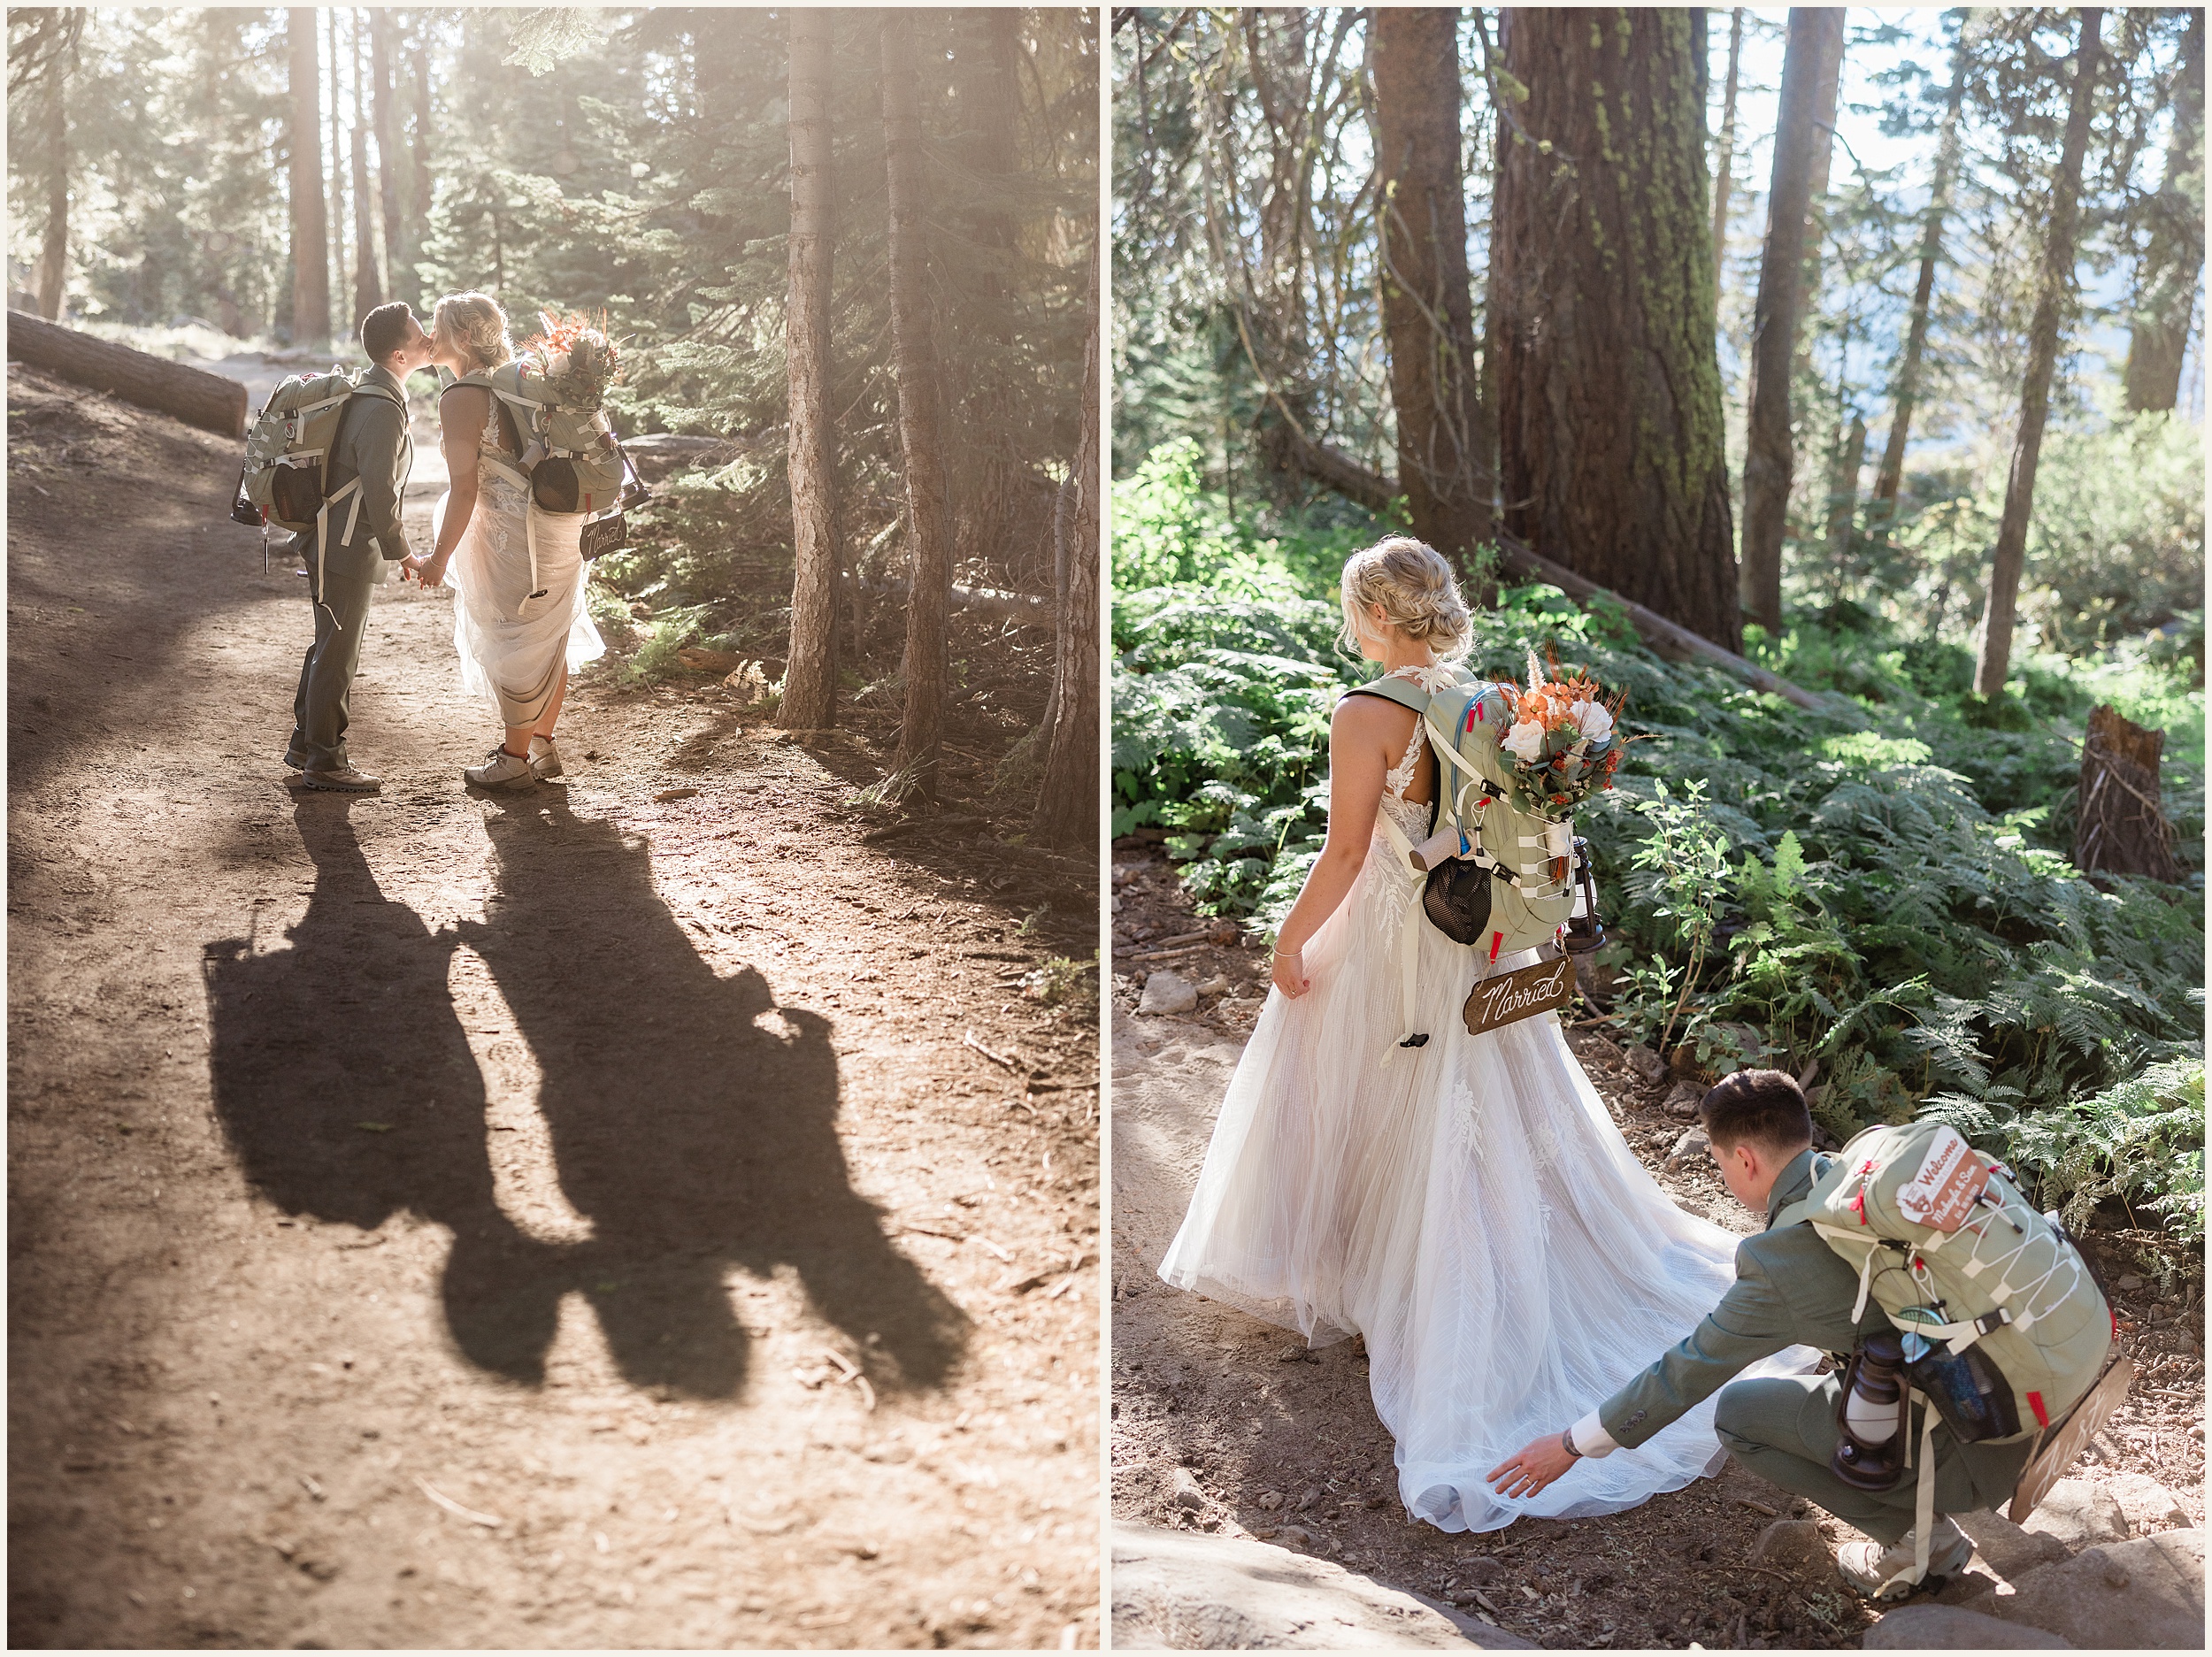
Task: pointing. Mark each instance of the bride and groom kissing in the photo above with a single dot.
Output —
(520, 622)
(1462, 1199)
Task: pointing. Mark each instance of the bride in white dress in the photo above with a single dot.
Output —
(520, 624)
(1467, 1206)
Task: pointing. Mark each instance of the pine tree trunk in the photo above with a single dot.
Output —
(1843, 494)
(1601, 283)
(1832, 17)
(1767, 449)
(810, 689)
(337, 254)
(418, 220)
(397, 276)
(1907, 384)
(2053, 293)
(1428, 308)
(368, 292)
(51, 278)
(2175, 259)
(1724, 174)
(1068, 797)
(310, 236)
(914, 359)
(986, 462)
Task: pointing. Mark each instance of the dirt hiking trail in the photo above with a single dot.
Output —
(564, 1218)
(1228, 1425)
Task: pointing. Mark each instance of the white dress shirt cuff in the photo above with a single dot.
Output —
(1591, 1437)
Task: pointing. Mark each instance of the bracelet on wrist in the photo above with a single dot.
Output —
(1567, 1442)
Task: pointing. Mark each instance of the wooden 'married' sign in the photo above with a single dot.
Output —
(1545, 988)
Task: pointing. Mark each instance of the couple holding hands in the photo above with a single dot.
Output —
(520, 624)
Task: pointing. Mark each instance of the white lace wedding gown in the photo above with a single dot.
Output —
(512, 645)
(1467, 1206)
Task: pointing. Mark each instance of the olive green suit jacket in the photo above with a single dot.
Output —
(1790, 1290)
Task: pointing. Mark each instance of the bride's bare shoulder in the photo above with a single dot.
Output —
(1375, 719)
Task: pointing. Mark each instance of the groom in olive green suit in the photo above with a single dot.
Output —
(1790, 1289)
(370, 444)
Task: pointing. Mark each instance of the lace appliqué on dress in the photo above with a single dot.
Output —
(1410, 816)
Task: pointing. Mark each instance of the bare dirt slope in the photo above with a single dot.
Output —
(576, 1218)
(1284, 1443)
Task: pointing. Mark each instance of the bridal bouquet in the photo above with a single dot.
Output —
(1563, 741)
(578, 359)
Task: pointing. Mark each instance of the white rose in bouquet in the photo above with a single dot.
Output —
(1593, 720)
(1525, 742)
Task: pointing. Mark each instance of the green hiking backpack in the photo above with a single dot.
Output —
(288, 456)
(2004, 1327)
(1495, 877)
(571, 460)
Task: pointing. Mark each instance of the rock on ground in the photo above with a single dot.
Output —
(1177, 1591)
(1166, 992)
(2079, 1514)
(2149, 1506)
(1796, 1546)
(2009, 1550)
(1948, 1627)
(2145, 1595)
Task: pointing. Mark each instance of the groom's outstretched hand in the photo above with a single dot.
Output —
(1535, 1465)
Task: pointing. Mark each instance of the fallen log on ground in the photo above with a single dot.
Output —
(657, 454)
(1025, 609)
(1669, 638)
(214, 403)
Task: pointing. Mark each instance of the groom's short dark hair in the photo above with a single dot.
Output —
(1764, 1107)
(385, 329)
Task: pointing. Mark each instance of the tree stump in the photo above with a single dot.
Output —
(2119, 825)
(213, 401)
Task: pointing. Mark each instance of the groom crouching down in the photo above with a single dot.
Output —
(1790, 1289)
(370, 444)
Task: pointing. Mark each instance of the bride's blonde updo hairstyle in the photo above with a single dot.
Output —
(1418, 592)
(478, 323)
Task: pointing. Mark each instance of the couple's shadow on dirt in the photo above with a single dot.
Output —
(692, 1130)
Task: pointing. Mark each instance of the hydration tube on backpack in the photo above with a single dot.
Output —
(1493, 877)
(2004, 1327)
(288, 458)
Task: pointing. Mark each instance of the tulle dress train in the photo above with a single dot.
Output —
(1467, 1206)
(512, 645)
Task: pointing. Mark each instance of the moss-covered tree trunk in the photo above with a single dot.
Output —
(1906, 389)
(1602, 284)
(2167, 291)
(311, 235)
(1768, 455)
(1428, 309)
(2054, 296)
(809, 686)
(921, 448)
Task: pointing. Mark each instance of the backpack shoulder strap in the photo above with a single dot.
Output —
(1398, 690)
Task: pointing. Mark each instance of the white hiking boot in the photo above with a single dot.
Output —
(501, 769)
(545, 759)
(1870, 1567)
